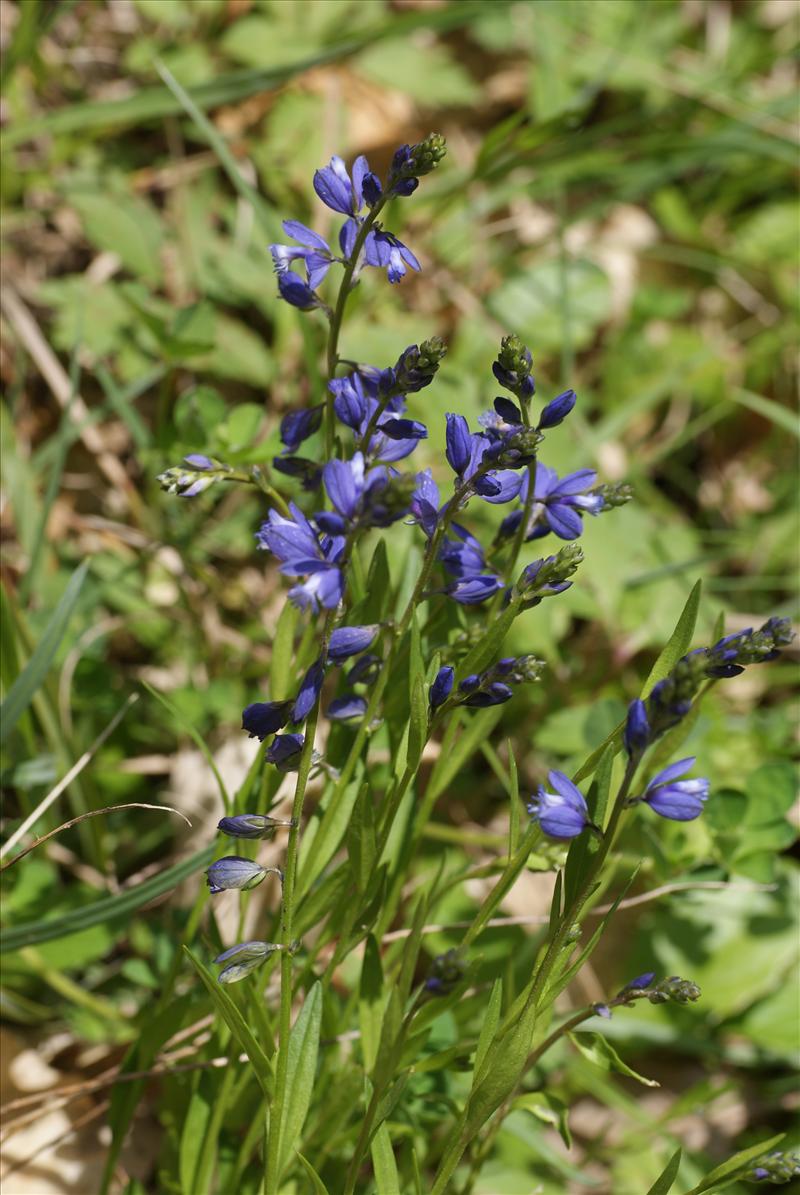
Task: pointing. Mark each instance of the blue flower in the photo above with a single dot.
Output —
(235, 872)
(314, 251)
(385, 250)
(305, 553)
(563, 813)
(557, 410)
(678, 800)
(252, 825)
(310, 689)
(295, 291)
(637, 728)
(350, 641)
(558, 504)
(338, 190)
(242, 959)
(467, 453)
(494, 694)
(356, 403)
(425, 502)
(373, 497)
(297, 426)
(284, 751)
(464, 559)
(347, 706)
(640, 982)
(365, 671)
(263, 718)
(442, 687)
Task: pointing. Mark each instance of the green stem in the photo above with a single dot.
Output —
(338, 314)
(272, 1178)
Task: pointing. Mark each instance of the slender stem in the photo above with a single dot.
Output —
(338, 313)
(272, 1178)
(550, 960)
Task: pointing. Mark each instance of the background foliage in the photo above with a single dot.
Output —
(619, 192)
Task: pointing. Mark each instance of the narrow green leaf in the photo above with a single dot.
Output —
(233, 1018)
(555, 903)
(598, 1049)
(196, 738)
(267, 218)
(487, 649)
(663, 1184)
(21, 692)
(491, 1019)
(727, 1172)
(323, 834)
(514, 804)
(549, 1109)
(361, 845)
(679, 641)
(501, 1071)
(559, 981)
(281, 670)
(387, 1180)
(454, 755)
(301, 1069)
(123, 904)
(371, 1000)
(379, 586)
(418, 725)
(316, 1181)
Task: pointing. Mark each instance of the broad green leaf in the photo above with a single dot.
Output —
(301, 1069)
(108, 909)
(726, 1173)
(663, 1184)
(233, 1018)
(597, 1049)
(21, 692)
(679, 642)
(121, 223)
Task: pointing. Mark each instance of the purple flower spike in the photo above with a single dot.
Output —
(563, 813)
(442, 687)
(678, 800)
(349, 641)
(263, 718)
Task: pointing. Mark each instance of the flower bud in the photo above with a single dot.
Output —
(637, 728)
(442, 687)
(235, 872)
(681, 991)
(513, 368)
(447, 971)
(253, 825)
(244, 958)
(779, 1166)
(556, 411)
